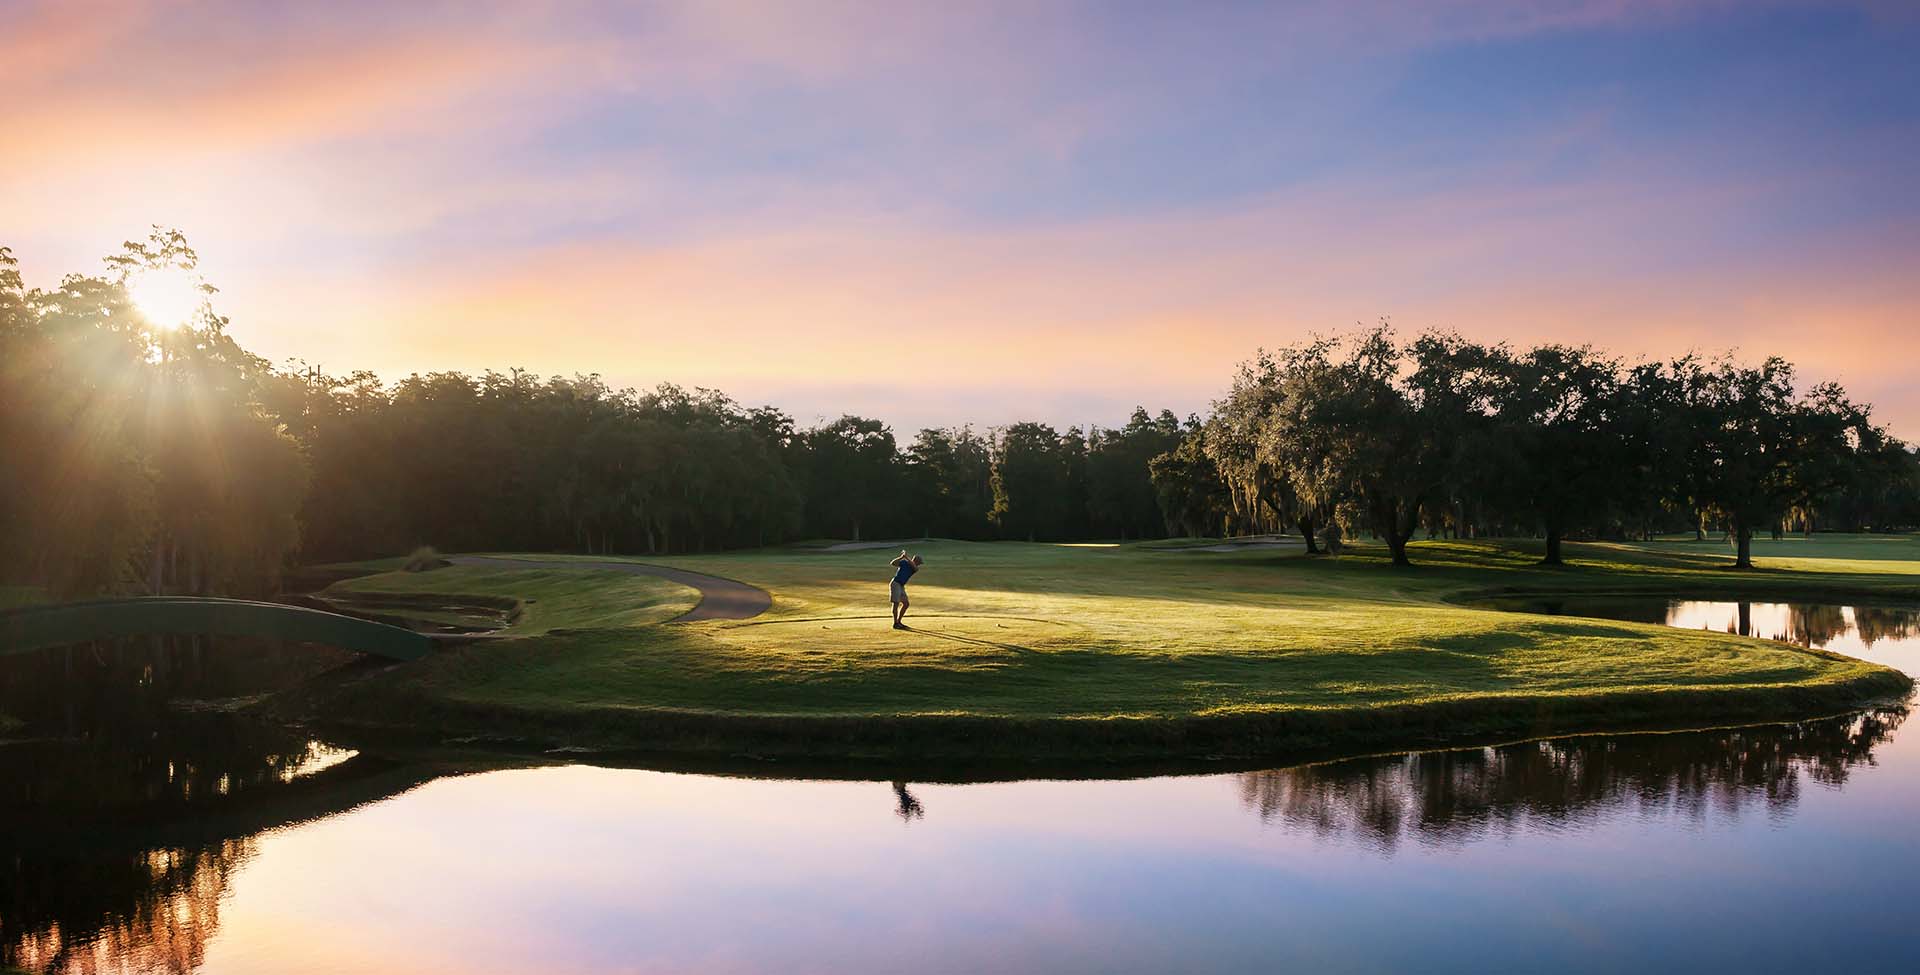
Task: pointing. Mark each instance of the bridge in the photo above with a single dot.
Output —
(38, 627)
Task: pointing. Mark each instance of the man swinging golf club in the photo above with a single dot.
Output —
(903, 569)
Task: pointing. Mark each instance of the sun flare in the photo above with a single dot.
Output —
(168, 297)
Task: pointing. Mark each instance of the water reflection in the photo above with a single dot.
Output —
(1870, 632)
(1442, 798)
(905, 805)
(117, 860)
(140, 911)
(122, 819)
(1820, 625)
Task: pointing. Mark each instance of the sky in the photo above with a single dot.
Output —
(939, 213)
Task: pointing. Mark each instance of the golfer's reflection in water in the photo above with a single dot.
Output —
(907, 807)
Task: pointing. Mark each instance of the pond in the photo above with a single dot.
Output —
(222, 848)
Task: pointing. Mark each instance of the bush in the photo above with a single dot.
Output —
(424, 558)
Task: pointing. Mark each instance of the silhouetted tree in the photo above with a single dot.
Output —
(950, 478)
(853, 473)
(1556, 453)
(1121, 500)
(1031, 481)
(1191, 492)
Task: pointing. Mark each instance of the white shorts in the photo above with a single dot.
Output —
(899, 591)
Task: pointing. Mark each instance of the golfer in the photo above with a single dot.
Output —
(903, 569)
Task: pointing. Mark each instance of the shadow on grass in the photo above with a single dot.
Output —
(955, 637)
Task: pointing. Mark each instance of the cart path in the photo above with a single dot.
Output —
(720, 599)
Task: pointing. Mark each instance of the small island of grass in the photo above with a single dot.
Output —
(1121, 652)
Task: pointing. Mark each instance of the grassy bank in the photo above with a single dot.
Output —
(535, 602)
(1122, 651)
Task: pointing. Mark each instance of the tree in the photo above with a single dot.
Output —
(1353, 433)
(1191, 493)
(853, 474)
(76, 493)
(1839, 451)
(1754, 449)
(1121, 498)
(1031, 482)
(1558, 453)
(1453, 387)
(950, 479)
(138, 451)
(1255, 473)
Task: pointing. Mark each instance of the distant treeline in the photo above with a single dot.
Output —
(140, 458)
(1459, 438)
(513, 461)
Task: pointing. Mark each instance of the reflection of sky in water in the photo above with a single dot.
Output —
(1758, 850)
(587, 869)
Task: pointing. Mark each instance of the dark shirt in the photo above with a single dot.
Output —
(906, 571)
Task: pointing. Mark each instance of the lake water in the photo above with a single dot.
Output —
(231, 849)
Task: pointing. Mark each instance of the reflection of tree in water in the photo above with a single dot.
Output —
(150, 911)
(1877, 623)
(122, 822)
(1815, 624)
(905, 805)
(1819, 624)
(135, 883)
(1445, 798)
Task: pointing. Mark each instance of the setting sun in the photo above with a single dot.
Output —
(168, 297)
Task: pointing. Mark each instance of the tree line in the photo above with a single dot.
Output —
(143, 456)
(1452, 437)
(516, 461)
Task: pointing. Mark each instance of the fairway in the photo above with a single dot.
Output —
(1135, 649)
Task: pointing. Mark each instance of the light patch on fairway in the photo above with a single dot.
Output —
(875, 633)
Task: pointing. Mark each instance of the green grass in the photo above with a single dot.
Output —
(548, 601)
(1138, 650)
(12, 596)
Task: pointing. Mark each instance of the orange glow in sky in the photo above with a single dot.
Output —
(946, 214)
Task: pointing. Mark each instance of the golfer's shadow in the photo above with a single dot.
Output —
(973, 640)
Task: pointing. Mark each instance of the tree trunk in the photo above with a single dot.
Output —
(1745, 624)
(1743, 542)
(1553, 548)
(1306, 532)
(1390, 527)
(1397, 544)
(1399, 530)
